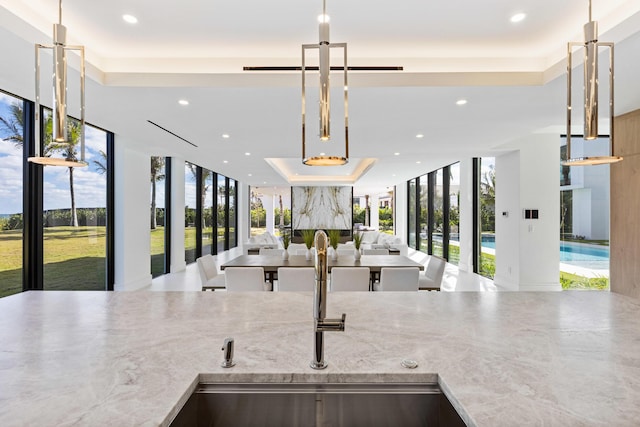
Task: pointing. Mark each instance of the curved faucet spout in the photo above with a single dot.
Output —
(322, 324)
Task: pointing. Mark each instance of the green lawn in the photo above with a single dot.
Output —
(573, 282)
(157, 251)
(10, 262)
(74, 259)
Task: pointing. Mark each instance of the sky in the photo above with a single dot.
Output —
(89, 184)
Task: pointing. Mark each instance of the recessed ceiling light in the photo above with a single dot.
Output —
(393, 174)
(225, 135)
(322, 154)
(247, 154)
(518, 17)
(418, 162)
(250, 175)
(419, 135)
(183, 102)
(264, 182)
(225, 161)
(461, 101)
(396, 154)
(130, 19)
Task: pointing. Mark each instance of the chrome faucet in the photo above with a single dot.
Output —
(322, 324)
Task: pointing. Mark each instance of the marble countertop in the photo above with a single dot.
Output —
(503, 359)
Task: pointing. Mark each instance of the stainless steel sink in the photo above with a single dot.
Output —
(317, 404)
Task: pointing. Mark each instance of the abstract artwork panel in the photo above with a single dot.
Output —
(321, 208)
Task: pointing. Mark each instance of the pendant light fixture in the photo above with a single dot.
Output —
(59, 117)
(591, 45)
(321, 158)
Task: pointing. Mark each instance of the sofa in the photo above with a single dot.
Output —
(377, 239)
(264, 240)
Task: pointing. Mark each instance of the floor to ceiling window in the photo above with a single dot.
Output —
(190, 195)
(423, 216)
(412, 212)
(66, 212)
(232, 190)
(386, 211)
(438, 215)
(487, 213)
(221, 209)
(207, 216)
(11, 181)
(584, 218)
(75, 212)
(454, 213)
(157, 216)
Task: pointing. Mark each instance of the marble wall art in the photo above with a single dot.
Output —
(321, 208)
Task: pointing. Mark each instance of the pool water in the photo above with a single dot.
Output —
(580, 254)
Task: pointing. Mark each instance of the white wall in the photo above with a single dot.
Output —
(581, 218)
(243, 214)
(132, 210)
(508, 216)
(527, 250)
(400, 221)
(591, 190)
(178, 262)
(374, 203)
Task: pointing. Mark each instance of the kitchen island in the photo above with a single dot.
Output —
(502, 359)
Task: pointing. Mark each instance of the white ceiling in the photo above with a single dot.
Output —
(511, 75)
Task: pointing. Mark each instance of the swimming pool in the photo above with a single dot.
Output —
(579, 254)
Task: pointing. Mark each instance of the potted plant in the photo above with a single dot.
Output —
(357, 241)
(307, 237)
(286, 240)
(334, 239)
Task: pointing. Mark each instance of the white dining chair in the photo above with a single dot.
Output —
(431, 280)
(375, 251)
(245, 279)
(209, 276)
(271, 251)
(296, 279)
(398, 279)
(350, 279)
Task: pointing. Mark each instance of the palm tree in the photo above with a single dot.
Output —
(101, 165)
(488, 200)
(69, 152)
(157, 166)
(204, 186)
(13, 125)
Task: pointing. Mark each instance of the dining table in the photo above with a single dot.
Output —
(271, 263)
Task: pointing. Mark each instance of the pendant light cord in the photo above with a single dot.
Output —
(60, 12)
(589, 11)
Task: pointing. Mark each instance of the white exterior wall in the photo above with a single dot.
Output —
(581, 205)
(591, 191)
